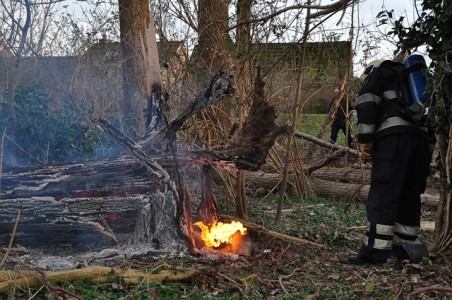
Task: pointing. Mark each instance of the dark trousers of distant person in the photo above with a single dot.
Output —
(335, 130)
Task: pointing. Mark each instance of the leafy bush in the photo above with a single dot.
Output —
(48, 136)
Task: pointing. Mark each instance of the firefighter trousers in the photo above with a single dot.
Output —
(400, 167)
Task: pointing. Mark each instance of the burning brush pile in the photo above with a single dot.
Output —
(135, 205)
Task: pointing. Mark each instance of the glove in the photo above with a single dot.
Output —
(365, 150)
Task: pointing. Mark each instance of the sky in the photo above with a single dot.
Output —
(372, 7)
(367, 11)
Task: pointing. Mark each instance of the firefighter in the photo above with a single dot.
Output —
(400, 155)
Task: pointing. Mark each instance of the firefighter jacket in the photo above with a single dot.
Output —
(379, 110)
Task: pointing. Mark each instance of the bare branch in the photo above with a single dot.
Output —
(189, 18)
(24, 30)
(324, 10)
(46, 3)
(429, 289)
(325, 144)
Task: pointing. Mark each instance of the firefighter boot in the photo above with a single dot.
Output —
(412, 250)
(369, 256)
(398, 252)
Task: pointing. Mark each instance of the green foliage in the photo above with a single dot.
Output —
(312, 123)
(45, 136)
(303, 271)
(432, 29)
(116, 289)
(41, 135)
(317, 218)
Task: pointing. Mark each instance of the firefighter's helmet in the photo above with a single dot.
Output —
(370, 66)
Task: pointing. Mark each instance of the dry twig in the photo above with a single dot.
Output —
(281, 236)
(285, 277)
(237, 284)
(54, 289)
(429, 289)
(11, 240)
(400, 291)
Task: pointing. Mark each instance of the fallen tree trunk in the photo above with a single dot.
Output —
(330, 189)
(357, 175)
(89, 206)
(338, 190)
(345, 175)
(350, 191)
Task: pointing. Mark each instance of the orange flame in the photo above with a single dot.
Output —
(220, 232)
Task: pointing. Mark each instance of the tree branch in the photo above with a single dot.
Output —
(325, 144)
(324, 10)
(429, 289)
(24, 31)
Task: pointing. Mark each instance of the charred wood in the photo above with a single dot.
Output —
(89, 206)
(229, 160)
(247, 152)
(220, 87)
(131, 202)
(207, 210)
(259, 130)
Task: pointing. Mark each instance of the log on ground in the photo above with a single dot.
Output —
(89, 206)
(356, 174)
(99, 274)
(329, 188)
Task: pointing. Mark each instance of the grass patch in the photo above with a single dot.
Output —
(316, 218)
(312, 123)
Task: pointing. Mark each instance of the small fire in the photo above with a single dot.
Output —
(220, 232)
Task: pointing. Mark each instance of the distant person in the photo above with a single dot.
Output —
(340, 119)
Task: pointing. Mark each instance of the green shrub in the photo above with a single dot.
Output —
(45, 136)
